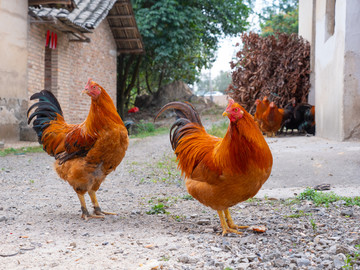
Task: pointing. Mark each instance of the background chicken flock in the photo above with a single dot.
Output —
(218, 172)
(271, 119)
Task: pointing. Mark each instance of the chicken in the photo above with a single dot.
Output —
(308, 125)
(85, 153)
(300, 117)
(220, 173)
(261, 107)
(272, 120)
(288, 118)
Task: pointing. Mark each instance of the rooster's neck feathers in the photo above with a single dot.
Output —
(102, 114)
(242, 145)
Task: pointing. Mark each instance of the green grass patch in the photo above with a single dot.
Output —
(145, 129)
(298, 215)
(219, 130)
(157, 209)
(322, 198)
(187, 197)
(20, 151)
(351, 259)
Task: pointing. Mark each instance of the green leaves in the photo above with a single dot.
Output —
(280, 18)
(181, 37)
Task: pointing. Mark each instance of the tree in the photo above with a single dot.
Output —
(281, 17)
(180, 38)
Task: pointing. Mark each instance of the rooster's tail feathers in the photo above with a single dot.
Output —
(47, 109)
(186, 116)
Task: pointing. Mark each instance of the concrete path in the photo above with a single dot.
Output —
(301, 162)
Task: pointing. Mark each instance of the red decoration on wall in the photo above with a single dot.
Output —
(55, 40)
(51, 40)
(47, 38)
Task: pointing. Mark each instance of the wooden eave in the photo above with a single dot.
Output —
(123, 25)
(67, 4)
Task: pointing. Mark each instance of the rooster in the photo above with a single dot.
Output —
(220, 173)
(261, 107)
(272, 120)
(85, 153)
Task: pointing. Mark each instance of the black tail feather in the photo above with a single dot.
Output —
(185, 114)
(46, 110)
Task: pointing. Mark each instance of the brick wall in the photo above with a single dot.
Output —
(72, 64)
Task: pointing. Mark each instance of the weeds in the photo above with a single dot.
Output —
(20, 151)
(352, 259)
(187, 197)
(321, 198)
(313, 225)
(298, 215)
(157, 209)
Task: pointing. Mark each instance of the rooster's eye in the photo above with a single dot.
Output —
(236, 109)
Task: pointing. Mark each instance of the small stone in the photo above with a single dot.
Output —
(203, 222)
(184, 259)
(242, 266)
(279, 263)
(322, 187)
(216, 249)
(173, 247)
(105, 243)
(244, 260)
(302, 262)
(248, 240)
(3, 218)
(218, 264)
(339, 262)
(73, 244)
(326, 263)
(347, 212)
(339, 203)
(252, 257)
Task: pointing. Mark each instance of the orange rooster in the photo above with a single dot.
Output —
(261, 107)
(220, 173)
(86, 153)
(272, 120)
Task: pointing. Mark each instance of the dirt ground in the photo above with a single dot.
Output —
(40, 225)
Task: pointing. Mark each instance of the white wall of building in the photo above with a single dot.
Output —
(332, 27)
(307, 10)
(351, 102)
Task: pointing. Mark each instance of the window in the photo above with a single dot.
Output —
(330, 19)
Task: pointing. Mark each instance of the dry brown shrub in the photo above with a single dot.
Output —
(275, 66)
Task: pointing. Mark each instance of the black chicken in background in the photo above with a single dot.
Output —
(300, 117)
(308, 125)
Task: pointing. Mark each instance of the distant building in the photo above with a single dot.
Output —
(332, 27)
(57, 45)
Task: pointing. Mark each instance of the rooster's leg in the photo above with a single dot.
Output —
(231, 223)
(224, 224)
(97, 209)
(85, 213)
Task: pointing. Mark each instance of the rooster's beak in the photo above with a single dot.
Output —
(225, 114)
(85, 91)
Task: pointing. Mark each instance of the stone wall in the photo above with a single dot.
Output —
(13, 67)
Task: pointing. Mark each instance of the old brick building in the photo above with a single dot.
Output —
(89, 36)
